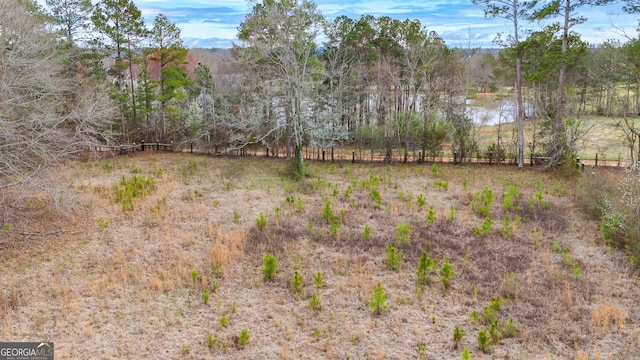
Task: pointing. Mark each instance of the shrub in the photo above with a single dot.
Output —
(509, 328)
(224, 322)
(446, 273)
(335, 226)
(205, 296)
(270, 267)
(442, 185)
(465, 354)
(261, 221)
(495, 153)
(613, 229)
(129, 189)
(243, 338)
(426, 266)
(348, 192)
(421, 200)
(577, 272)
(394, 258)
(378, 300)
(436, 170)
(296, 282)
(483, 341)
(375, 196)
(296, 169)
(403, 233)
(481, 201)
(537, 200)
(474, 317)
(366, 233)
(510, 197)
(314, 302)
(506, 227)
(319, 279)
(494, 332)
(615, 203)
(195, 274)
(430, 218)
(211, 341)
(327, 213)
(593, 193)
(491, 312)
(458, 334)
(484, 229)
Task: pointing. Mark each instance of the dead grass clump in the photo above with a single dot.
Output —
(550, 217)
(274, 240)
(608, 316)
(226, 250)
(11, 299)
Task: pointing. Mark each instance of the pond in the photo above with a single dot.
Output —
(504, 112)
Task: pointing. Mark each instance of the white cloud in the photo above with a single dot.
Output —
(195, 29)
(455, 21)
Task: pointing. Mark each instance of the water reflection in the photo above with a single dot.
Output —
(503, 113)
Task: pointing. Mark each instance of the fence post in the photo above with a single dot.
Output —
(332, 154)
(353, 156)
(596, 160)
(267, 151)
(322, 155)
(619, 159)
(157, 144)
(578, 162)
(142, 145)
(191, 147)
(455, 157)
(490, 157)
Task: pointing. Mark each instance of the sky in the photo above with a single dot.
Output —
(214, 23)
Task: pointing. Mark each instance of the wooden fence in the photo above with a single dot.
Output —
(353, 155)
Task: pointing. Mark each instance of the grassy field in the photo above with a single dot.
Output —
(162, 256)
(603, 138)
(598, 134)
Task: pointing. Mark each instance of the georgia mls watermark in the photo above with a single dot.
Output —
(26, 351)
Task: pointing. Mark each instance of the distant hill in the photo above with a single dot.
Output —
(481, 51)
(209, 43)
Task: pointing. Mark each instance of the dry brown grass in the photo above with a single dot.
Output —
(120, 283)
(608, 317)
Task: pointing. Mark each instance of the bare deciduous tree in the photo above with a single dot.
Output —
(39, 127)
(280, 36)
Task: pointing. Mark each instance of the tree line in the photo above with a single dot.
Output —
(75, 74)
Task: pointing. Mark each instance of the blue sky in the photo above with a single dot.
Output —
(214, 23)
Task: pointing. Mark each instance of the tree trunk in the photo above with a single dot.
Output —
(557, 130)
(289, 134)
(133, 93)
(519, 103)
